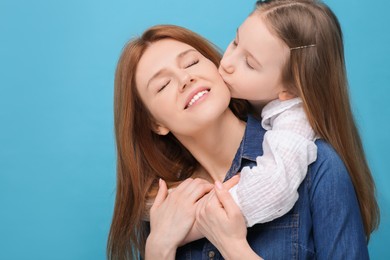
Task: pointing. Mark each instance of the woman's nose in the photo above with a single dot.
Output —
(186, 80)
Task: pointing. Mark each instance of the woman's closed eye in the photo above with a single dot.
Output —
(166, 83)
(163, 86)
(192, 63)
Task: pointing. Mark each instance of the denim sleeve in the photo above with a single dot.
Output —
(337, 224)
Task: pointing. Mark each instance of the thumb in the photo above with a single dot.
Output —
(231, 182)
(161, 194)
(226, 200)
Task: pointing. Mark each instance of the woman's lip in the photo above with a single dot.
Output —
(193, 93)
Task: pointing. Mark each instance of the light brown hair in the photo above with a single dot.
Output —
(316, 72)
(142, 155)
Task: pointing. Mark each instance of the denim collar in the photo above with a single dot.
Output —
(250, 147)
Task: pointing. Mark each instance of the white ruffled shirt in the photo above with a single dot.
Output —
(270, 189)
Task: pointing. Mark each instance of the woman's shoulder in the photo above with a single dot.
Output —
(328, 166)
(327, 155)
(329, 184)
(334, 206)
(326, 151)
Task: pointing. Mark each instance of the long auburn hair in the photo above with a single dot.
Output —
(142, 155)
(317, 74)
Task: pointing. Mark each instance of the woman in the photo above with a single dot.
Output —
(147, 150)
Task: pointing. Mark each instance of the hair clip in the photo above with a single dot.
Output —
(302, 47)
(259, 2)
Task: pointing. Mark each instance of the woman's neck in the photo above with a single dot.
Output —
(216, 145)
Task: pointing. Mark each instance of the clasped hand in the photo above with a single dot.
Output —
(193, 210)
(220, 220)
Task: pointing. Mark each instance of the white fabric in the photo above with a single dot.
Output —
(270, 189)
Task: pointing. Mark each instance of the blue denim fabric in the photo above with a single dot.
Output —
(325, 223)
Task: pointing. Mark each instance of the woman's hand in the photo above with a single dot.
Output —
(172, 216)
(220, 220)
(194, 233)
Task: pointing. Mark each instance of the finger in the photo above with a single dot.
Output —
(161, 194)
(197, 189)
(213, 201)
(231, 182)
(213, 209)
(183, 186)
(210, 196)
(226, 200)
(200, 206)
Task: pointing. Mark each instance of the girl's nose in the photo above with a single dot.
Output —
(226, 64)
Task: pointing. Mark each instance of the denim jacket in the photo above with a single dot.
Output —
(325, 222)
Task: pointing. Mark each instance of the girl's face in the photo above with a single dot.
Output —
(181, 88)
(252, 64)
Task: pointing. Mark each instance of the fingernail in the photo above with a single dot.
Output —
(159, 182)
(218, 184)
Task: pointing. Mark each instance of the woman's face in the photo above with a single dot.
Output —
(181, 88)
(252, 64)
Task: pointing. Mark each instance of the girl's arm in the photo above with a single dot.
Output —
(270, 189)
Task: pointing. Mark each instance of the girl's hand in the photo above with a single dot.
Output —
(220, 220)
(172, 216)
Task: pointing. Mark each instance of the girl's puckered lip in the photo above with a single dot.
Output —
(192, 96)
(227, 84)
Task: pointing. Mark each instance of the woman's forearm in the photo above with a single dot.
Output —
(193, 235)
(155, 248)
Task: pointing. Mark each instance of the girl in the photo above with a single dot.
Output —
(314, 71)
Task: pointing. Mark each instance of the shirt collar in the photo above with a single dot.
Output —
(276, 107)
(250, 147)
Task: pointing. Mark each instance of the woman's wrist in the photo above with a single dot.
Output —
(157, 248)
(239, 250)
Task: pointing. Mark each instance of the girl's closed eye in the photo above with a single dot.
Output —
(248, 64)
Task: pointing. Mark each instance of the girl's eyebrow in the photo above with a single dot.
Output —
(237, 33)
(163, 70)
(247, 52)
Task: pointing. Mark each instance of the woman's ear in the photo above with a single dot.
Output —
(285, 95)
(161, 130)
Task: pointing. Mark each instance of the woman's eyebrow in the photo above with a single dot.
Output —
(155, 75)
(182, 54)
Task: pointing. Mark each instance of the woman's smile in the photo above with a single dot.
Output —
(196, 96)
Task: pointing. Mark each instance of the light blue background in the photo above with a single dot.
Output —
(57, 153)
